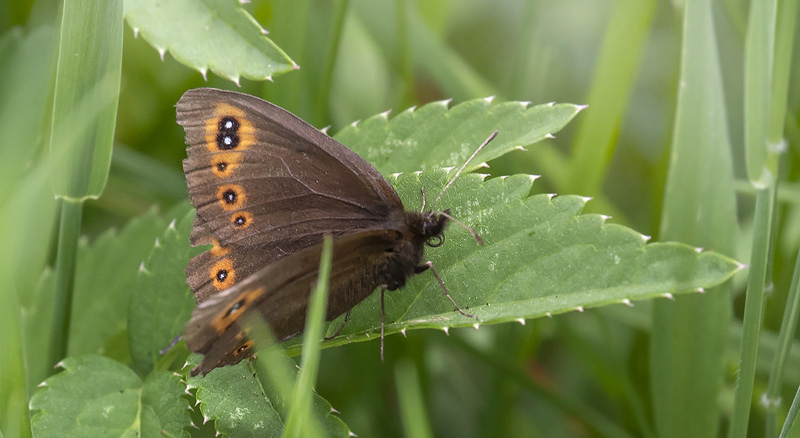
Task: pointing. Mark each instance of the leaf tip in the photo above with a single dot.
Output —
(136, 32)
(586, 199)
(157, 244)
(580, 309)
(334, 411)
(520, 148)
(549, 136)
(386, 113)
(367, 334)
(741, 266)
(549, 315)
(325, 129)
(579, 108)
(627, 302)
(700, 290)
(268, 78)
(42, 384)
(142, 268)
(551, 104)
(524, 103)
(550, 195)
(476, 326)
(445, 103)
(521, 321)
(484, 165)
(355, 123)
(669, 296)
(446, 330)
(698, 250)
(350, 433)
(60, 364)
(161, 52)
(403, 332)
(646, 238)
(204, 72)
(397, 175)
(172, 225)
(489, 99)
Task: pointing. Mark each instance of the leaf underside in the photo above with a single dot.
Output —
(207, 35)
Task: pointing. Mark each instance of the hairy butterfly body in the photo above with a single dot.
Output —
(267, 187)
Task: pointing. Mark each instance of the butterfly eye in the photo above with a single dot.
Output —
(435, 241)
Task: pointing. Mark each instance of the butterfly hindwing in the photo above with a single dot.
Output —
(279, 294)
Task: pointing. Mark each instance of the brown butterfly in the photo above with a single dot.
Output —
(267, 187)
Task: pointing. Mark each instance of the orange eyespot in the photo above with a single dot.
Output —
(217, 250)
(222, 274)
(241, 219)
(231, 196)
(224, 164)
(243, 348)
(228, 316)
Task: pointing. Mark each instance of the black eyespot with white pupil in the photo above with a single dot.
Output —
(228, 136)
(222, 166)
(240, 221)
(235, 307)
(222, 274)
(229, 196)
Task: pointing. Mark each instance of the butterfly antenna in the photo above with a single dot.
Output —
(463, 225)
(464, 166)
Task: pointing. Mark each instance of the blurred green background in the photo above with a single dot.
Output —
(571, 375)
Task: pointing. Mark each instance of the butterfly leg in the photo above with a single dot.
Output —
(383, 319)
(429, 265)
(339, 330)
(172, 344)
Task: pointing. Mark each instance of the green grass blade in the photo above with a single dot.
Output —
(753, 312)
(612, 83)
(688, 336)
(788, 326)
(791, 428)
(412, 403)
(761, 158)
(301, 422)
(86, 94)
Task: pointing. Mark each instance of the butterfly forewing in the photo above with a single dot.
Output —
(267, 184)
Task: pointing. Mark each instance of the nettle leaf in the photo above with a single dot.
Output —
(541, 257)
(105, 272)
(242, 405)
(209, 34)
(437, 136)
(162, 301)
(97, 396)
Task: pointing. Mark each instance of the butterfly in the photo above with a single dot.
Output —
(267, 187)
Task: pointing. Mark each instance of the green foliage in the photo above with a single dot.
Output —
(214, 35)
(659, 148)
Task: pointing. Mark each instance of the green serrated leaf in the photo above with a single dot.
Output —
(105, 272)
(96, 396)
(209, 34)
(241, 405)
(163, 301)
(437, 136)
(541, 257)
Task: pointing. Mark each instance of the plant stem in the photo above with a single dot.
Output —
(69, 231)
(753, 312)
